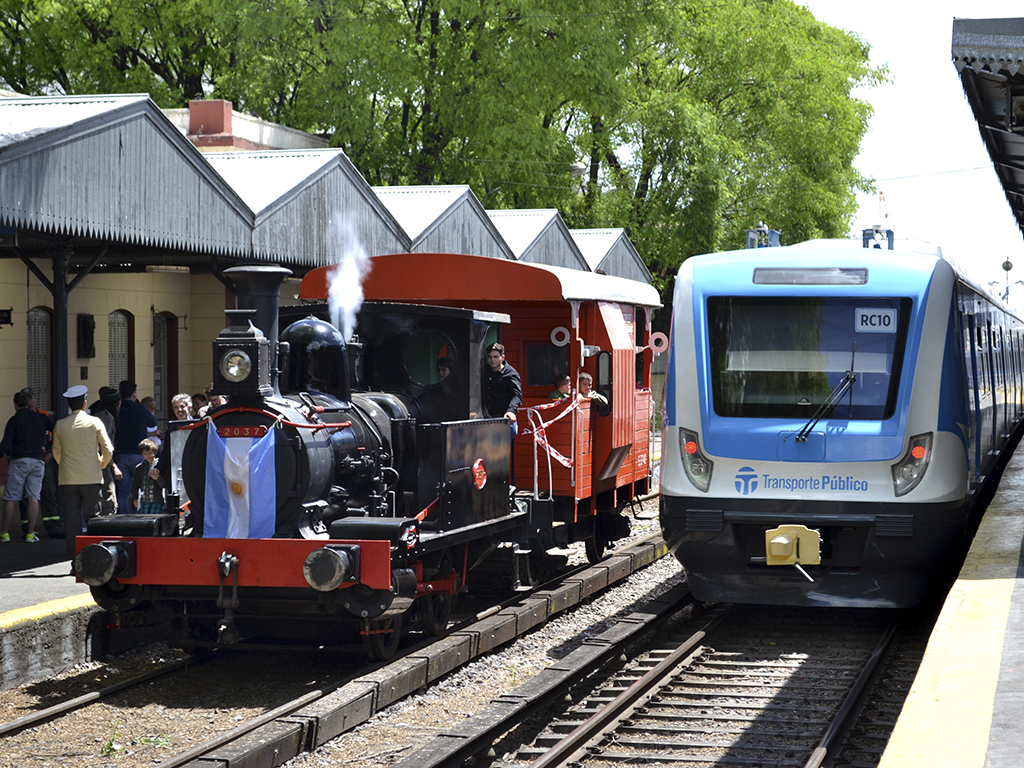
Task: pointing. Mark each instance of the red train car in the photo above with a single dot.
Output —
(592, 457)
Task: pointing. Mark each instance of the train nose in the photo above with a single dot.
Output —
(327, 568)
(97, 564)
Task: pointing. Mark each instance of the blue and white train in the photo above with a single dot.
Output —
(833, 414)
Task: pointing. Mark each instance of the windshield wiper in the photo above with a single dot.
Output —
(834, 397)
(826, 407)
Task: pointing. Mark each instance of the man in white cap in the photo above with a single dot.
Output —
(82, 448)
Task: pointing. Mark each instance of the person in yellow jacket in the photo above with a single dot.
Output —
(82, 448)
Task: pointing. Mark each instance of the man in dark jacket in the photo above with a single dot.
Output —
(25, 442)
(134, 422)
(503, 392)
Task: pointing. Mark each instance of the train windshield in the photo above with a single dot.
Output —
(782, 357)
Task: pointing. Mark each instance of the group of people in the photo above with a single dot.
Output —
(586, 391)
(504, 391)
(106, 455)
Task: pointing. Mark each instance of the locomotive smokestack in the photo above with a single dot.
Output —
(258, 287)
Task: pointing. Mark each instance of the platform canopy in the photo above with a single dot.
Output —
(87, 174)
(989, 55)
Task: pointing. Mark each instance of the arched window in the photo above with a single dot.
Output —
(39, 375)
(165, 362)
(121, 335)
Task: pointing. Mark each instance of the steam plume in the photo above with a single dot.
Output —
(345, 294)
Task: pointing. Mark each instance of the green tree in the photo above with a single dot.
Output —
(738, 112)
(695, 120)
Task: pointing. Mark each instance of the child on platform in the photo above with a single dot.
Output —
(145, 492)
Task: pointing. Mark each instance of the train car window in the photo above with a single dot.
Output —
(782, 357)
(641, 330)
(603, 384)
(544, 362)
(422, 353)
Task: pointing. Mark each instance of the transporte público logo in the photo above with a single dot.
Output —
(748, 480)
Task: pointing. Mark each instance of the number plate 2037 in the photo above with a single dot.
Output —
(256, 431)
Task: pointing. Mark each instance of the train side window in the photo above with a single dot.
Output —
(543, 363)
(603, 383)
(422, 352)
(641, 332)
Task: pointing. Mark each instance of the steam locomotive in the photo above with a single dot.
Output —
(343, 484)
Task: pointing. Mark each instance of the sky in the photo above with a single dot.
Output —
(923, 147)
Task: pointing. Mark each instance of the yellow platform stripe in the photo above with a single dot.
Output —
(44, 610)
(948, 714)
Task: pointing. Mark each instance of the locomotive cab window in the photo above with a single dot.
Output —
(782, 357)
(429, 357)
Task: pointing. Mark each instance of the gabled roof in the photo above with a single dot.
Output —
(989, 55)
(309, 203)
(444, 219)
(611, 252)
(112, 168)
(538, 237)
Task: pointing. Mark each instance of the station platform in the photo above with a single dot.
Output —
(967, 702)
(35, 573)
(48, 620)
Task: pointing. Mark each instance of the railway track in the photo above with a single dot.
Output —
(755, 686)
(320, 712)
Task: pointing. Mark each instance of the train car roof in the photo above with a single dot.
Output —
(907, 255)
(451, 278)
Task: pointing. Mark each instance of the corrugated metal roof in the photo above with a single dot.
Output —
(611, 252)
(444, 219)
(312, 205)
(113, 168)
(538, 237)
(989, 55)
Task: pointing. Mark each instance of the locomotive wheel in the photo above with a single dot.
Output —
(382, 646)
(436, 612)
(596, 544)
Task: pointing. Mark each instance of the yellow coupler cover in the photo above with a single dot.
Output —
(789, 544)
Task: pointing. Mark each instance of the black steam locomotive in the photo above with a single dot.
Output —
(341, 484)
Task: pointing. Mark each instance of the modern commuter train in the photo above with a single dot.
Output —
(345, 485)
(833, 415)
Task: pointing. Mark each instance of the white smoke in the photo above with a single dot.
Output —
(345, 291)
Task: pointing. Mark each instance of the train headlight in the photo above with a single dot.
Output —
(235, 365)
(909, 471)
(696, 465)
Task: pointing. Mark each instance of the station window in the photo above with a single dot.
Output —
(39, 375)
(119, 333)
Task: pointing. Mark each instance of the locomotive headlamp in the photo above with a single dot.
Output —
(697, 466)
(909, 471)
(241, 358)
(235, 365)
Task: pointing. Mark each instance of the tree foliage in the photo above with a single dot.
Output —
(694, 120)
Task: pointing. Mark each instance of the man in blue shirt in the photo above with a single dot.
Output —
(134, 422)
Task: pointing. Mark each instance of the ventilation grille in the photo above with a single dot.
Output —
(894, 525)
(703, 519)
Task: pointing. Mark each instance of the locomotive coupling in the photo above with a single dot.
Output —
(97, 564)
(329, 567)
(793, 545)
(789, 544)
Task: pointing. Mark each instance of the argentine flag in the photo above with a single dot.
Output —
(241, 497)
